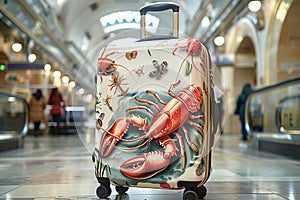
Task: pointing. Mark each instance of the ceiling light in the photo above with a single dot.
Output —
(16, 47)
(31, 57)
(254, 6)
(89, 97)
(219, 40)
(81, 91)
(72, 84)
(56, 74)
(11, 99)
(205, 21)
(65, 79)
(47, 67)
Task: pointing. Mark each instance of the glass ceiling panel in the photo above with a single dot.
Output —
(127, 19)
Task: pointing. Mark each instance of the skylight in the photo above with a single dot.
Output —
(127, 20)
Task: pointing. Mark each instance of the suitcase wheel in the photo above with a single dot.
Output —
(103, 191)
(190, 195)
(201, 192)
(195, 194)
(121, 189)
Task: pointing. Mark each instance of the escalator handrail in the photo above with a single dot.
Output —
(26, 110)
(274, 86)
(262, 90)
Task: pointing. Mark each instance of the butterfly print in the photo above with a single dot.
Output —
(160, 69)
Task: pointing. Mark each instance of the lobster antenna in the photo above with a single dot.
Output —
(203, 69)
(125, 69)
(180, 68)
(104, 49)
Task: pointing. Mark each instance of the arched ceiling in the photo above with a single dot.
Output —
(245, 55)
(59, 27)
(78, 18)
(288, 60)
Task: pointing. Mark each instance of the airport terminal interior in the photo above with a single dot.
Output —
(64, 89)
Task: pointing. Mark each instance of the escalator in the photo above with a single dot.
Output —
(13, 121)
(273, 118)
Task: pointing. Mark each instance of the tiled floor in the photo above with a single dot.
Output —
(61, 168)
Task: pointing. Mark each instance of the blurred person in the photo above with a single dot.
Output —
(240, 110)
(57, 110)
(37, 106)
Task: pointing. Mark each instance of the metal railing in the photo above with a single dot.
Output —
(275, 110)
(14, 119)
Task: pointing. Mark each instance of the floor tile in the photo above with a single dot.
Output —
(7, 188)
(61, 168)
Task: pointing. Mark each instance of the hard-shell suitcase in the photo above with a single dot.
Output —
(154, 106)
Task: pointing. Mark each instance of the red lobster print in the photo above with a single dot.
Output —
(107, 66)
(168, 119)
(194, 47)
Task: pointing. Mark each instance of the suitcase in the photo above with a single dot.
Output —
(154, 113)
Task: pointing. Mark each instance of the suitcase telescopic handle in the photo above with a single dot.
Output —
(156, 7)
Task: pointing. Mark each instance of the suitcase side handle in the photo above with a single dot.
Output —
(161, 6)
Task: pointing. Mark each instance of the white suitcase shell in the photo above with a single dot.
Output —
(153, 115)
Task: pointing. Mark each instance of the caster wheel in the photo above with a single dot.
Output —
(121, 189)
(201, 192)
(190, 195)
(103, 192)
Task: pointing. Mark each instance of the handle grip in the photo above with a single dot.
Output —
(161, 6)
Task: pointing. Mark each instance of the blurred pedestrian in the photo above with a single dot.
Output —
(37, 106)
(57, 110)
(240, 110)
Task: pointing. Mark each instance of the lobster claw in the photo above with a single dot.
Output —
(151, 163)
(145, 166)
(111, 138)
(108, 144)
(116, 132)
